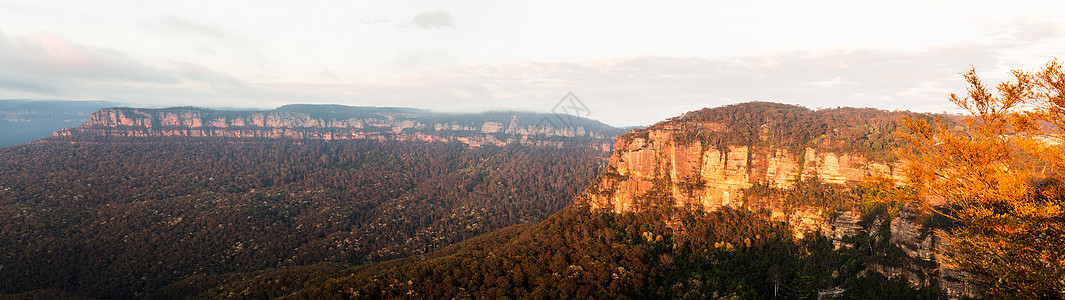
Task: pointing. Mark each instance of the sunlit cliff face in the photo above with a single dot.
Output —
(707, 178)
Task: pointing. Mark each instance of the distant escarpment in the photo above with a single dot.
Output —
(337, 122)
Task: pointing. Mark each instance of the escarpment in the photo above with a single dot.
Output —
(692, 175)
(336, 122)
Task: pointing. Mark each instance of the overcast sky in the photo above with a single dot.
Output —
(630, 63)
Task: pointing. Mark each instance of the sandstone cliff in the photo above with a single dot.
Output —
(693, 175)
(330, 122)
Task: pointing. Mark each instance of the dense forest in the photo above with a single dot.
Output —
(120, 218)
(579, 254)
(867, 131)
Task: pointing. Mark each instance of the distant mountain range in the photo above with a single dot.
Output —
(23, 121)
(338, 122)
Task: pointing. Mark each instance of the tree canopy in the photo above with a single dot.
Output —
(999, 176)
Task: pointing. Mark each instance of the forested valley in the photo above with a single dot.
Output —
(124, 217)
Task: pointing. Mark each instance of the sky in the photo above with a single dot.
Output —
(630, 63)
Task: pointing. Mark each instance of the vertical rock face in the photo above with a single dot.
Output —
(329, 122)
(707, 178)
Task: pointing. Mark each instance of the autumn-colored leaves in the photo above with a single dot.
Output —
(999, 175)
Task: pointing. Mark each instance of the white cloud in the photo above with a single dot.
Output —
(47, 63)
(635, 90)
(203, 74)
(182, 24)
(434, 20)
(516, 55)
(645, 89)
(51, 55)
(329, 75)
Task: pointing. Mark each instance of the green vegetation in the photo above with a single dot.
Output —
(578, 254)
(804, 193)
(845, 130)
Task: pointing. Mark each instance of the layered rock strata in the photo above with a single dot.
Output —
(693, 175)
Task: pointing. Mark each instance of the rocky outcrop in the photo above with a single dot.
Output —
(911, 233)
(332, 122)
(694, 175)
(654, 165)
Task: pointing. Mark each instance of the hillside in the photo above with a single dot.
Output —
(718, 203)
(101, 212)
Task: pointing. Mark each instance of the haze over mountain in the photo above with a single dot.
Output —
(23, 121)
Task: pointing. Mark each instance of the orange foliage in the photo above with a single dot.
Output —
(1000, 177)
